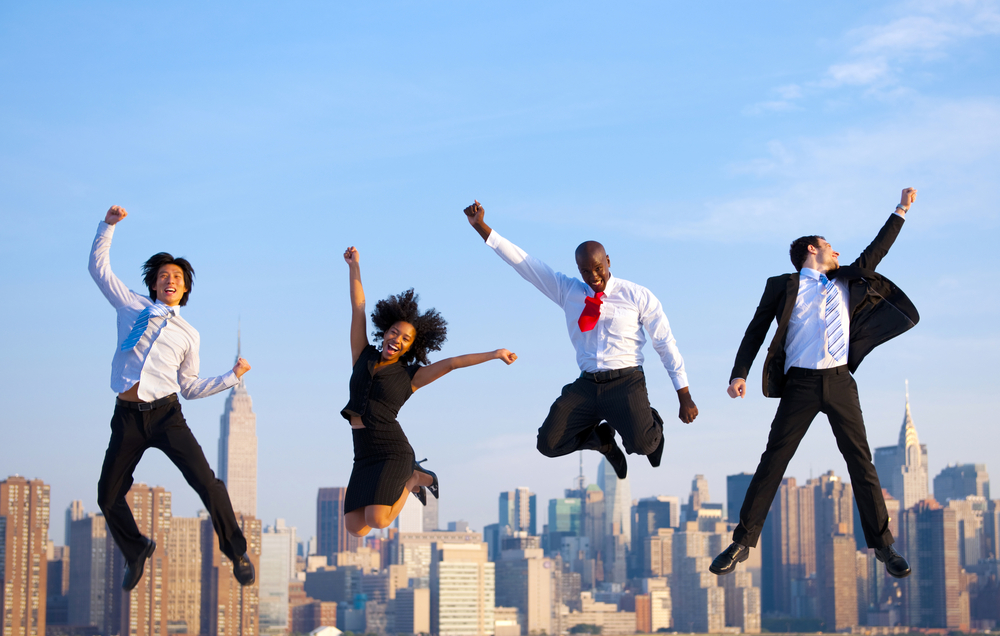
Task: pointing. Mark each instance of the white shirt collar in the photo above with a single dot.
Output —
(609, 287)
(175, 310)
(810, 273)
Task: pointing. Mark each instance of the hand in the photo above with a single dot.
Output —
(689, 410)
(475, 213)
(737, 388)
(242, 366)
(506, 356)
(907, 198)
(114, 215)
(351, 256)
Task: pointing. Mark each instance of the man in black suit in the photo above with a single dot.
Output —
(829, 318)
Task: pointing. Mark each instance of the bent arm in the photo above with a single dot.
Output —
(193, 387)
(656, 323)
(426, 375)
(757, 330)
(117, 293)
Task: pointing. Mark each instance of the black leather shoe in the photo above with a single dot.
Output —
(617, 460)
(133, 569)
(421, 494)
(730, 557)
(656, 455)
(243, 570)
(895, 564)
(434, 485)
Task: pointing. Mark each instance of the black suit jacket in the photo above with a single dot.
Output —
(879, 311)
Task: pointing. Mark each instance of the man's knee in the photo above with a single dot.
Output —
(647, 445)
(546, 444)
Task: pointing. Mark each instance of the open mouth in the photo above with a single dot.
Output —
(393, 349)
(170, 290)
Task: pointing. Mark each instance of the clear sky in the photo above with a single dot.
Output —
(695, 140)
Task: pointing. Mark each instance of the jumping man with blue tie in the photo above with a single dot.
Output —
(829, 318)
(155, 358)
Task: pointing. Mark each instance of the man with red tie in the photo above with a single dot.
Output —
(605, 317)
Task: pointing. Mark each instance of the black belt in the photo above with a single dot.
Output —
(148, 406)
(799, 372)
(607, 376)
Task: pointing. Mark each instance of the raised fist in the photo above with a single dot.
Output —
(505, 355)
(351, 256)
(114, 215)
(475, 213)
(242, 366)
(908, 197)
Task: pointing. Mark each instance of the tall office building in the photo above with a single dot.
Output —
(517, 509)
(788, 550)
(462, 583)
(932, 593)
(89, 569)
(431, 521)
(524, 579)
(699, 492)
(649, 516)
(414, 550)
(959, 481)
(238, 448)
(902, 469)
(413, 610)
(411, 517)
(331, 533)
(184, 575)
(617, 523)
(835, 551)
(57, 584)
(228, 608)
(144, 610)
(971, 514)
(276, 545)
(736, 490)
(699, 603)
(74, 512)
(565, 520)
(24, 534)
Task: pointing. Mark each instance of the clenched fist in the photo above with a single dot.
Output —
(351, 256)
(506, 356)
(242, 366)
(907, 198)
(114, 215)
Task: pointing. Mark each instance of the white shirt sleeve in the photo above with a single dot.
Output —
(553, 284)
(117, 293)
(652, 317)
(193, 387)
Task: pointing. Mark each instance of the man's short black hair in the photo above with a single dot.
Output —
(799, 249)
(431, 328)
(151, 268)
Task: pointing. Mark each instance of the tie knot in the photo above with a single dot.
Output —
(599, 295)
(823, 279)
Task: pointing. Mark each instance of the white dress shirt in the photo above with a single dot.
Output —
(165, 360)
(805, 342)
(617, 340)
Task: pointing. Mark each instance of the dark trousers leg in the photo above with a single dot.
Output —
(572, 422)
(172, 436)
(624, 403)
(800, 402)
(842, 406)
(128, 443)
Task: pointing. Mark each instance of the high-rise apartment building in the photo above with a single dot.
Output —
(74, 512)
(518, 509)
(276, 547)
(959, 481)
(836, 579)
(414, 550)
(144, 610)
(331, 533)
(902, 469)
(431, 521)
(649, 516)
(971, 514)
(184, 575)
(57, 584)
(411, 517)
(658, 554)
(413, 610)
(932, 593)
(89, 569)
(736, 490)
(617, 523)
(228, 608)
(524, 579)
(238, 448)
(788, 550)
(24, 534)
(699, 603)
(462, 583)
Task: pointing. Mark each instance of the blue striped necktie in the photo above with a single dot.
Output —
(142, 322)
(835, 342)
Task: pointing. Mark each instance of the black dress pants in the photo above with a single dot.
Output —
(807, 393)
(132, 432)
(574, 420)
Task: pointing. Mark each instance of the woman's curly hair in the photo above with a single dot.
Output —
(431, 328)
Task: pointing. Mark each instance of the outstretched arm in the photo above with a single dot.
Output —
(426, 375)
(879, 247)
(359, 339)
(117, 292)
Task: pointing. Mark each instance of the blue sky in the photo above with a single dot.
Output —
(694, 140)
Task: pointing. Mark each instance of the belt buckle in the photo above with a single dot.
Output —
(145, 406)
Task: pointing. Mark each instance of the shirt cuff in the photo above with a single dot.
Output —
(493, 240)
(680, 381)
(896, 212)
(230, 379)
(103, 229)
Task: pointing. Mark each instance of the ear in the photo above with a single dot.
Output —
(812, 249)
(608, 258)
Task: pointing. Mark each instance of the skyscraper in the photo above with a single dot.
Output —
(788, 549)
(836, 567)
(144, 610)
(649, 516)
(275, 567)
(184, 576)
(932, 592)
(331, 533)
(524, 580)
(959, 481)
(736, 490)
(517, 509)
(617, 522)
(238, 448)
(902, 469)
(228, 608)
(74, 512)
(431, 521)
(89, 568)
(463, 596)
(24, 534)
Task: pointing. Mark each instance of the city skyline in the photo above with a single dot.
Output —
(259, 143)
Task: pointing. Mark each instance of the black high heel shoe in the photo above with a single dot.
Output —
(421, 495)
(434, 485)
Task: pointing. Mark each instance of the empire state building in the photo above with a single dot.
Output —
(238, 448)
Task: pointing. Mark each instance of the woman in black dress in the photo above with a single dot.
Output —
(385, 470)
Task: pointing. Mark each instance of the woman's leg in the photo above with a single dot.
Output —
(378, 516)
(355, 522)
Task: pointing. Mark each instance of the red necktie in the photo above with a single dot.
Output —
(591, 312)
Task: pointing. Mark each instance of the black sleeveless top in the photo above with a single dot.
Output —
(377, 398)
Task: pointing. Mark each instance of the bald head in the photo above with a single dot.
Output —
(594, 265)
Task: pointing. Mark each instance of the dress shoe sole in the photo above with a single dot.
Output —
(141, 565)
(720, 571)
